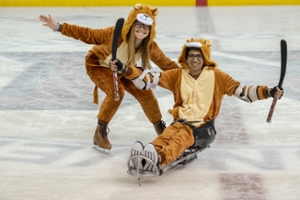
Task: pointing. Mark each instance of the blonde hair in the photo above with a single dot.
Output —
(143, 49)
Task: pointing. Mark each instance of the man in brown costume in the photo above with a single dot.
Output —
(198, 89)
(136, 45)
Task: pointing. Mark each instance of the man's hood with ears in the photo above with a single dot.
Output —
(203, 45)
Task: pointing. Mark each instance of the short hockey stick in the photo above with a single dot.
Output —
(115, 41)
(283, 48)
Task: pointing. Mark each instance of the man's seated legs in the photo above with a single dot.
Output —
(173, 141)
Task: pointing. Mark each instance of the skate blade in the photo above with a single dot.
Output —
(105, 151)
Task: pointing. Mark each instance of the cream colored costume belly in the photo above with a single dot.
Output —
(122, 55)
(197, 95)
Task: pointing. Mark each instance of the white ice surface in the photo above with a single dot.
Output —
(47, 118)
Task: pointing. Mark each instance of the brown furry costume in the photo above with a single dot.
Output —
(197, 101)
(99, 56)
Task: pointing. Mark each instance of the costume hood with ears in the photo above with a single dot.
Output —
(143, 13)
(202, 44)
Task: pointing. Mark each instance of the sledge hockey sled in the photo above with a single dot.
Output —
(186, 157)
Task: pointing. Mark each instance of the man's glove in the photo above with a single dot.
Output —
(273, 91)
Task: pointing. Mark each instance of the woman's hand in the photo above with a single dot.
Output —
(49, 21)
(113, 65)
(276, 92)
(117, 66)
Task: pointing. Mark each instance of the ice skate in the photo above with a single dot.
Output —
(137, 148)
(159, 127)
(101, 141)
(151, 164)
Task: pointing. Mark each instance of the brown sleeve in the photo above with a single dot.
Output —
(226, 84)
(230, 85)
(132, 73)
(160, 59)
(263, 92)
(87, 35)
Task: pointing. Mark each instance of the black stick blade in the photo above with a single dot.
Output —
(116, 37)
(283, 47)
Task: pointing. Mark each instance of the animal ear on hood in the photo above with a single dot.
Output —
(137, 6)
(154, 11)
(208, 42)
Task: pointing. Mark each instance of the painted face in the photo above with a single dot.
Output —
(141, 30)
(195, 60)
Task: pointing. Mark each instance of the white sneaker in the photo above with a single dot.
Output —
(137, 148)
(151, 153)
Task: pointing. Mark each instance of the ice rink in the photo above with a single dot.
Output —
(47, 119)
